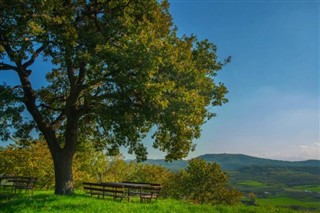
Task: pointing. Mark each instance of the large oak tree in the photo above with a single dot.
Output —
(119, 70)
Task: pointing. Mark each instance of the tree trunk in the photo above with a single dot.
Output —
(63, 173)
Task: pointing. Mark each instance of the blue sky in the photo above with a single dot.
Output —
(273, 79)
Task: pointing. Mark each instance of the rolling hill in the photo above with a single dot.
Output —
(235, 162)
(296, 181)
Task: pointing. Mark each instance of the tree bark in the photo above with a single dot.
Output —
(62, 158)
(63, 173)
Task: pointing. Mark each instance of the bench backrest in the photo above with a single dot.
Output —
(8, 178)
(154, 191)
(25, 182)
(144, 183)
(103, 187)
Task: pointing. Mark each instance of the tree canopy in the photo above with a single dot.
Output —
(118, 70)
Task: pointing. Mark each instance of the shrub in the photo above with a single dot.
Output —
(203, 182)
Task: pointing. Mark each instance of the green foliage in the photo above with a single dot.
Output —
(252, 198)
(28, 161)
(119, 70)
(203, 182)
(150, 174)
(10, 110)
(117, 170)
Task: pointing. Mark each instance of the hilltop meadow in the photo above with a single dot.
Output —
(200, 186)
(46, 201)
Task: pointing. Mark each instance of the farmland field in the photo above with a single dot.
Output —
(290, 202)
(304, 197)
(251, 183)
(311, 188)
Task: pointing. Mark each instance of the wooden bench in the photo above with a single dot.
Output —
(7, 182)
(150, 192)
(25, 183)
(18, 183)
(146, 191)
(105, 189)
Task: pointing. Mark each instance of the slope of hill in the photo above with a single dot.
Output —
(236, 161)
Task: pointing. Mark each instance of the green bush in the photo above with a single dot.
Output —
(150, 174)
(203, 182)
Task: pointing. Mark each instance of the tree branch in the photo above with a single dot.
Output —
(70, 74)
(82, 74)
(8, 49)
(51, 108)
(4, 66)
(34, 56)
(57, 123)
(30, 102)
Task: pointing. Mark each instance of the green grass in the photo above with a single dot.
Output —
(310, 188)
(289, 202)
(251, 183)
(46, 201)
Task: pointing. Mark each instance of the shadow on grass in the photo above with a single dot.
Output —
(48, 202)
(10, 202)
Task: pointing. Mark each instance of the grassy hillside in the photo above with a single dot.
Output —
(280, 183)
(290, 176)
(45, 201)
(294, 187)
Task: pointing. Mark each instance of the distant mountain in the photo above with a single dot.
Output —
(236, 161)
(175, 165)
